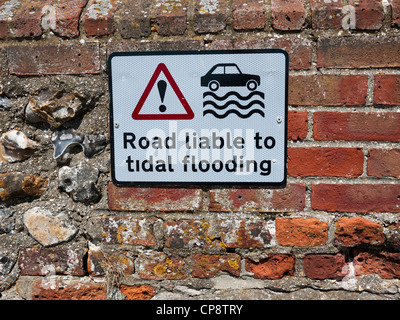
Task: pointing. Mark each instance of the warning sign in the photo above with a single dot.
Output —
(199, 117)
(163, 111)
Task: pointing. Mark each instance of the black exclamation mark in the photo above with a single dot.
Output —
(162, 87)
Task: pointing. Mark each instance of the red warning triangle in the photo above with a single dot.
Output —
(184, 116)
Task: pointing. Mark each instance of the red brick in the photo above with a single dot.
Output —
(8, 8)
(248, 233)
(67, 289)
(369, 14)
(385, 264)
(99, 17)
(288, 15)
(387, 89)
(360, 126)
(248, 15)
(208, 265)
(171, 19)
(147, 199)
(384, 163)
(325, 266)
(356, 197)
(328, 162)
(138, 292)
(209, 16)
(186, 234)
(358, 52)
(356, 231)
(328, 90)
(159, 266)
(326, 14)
(54, 59)
(67, 15)
(275, 266)
(299, 49)
(289, 199)
(133, 19)
(395, 4)
(129, 230)
(27, 21)
(297, 125)
(301, 232)
(51, 261)
(178, 45)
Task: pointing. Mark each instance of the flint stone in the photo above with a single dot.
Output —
(54, 107)
(48, 228)
(80, 182)
(19, 185)
(16, 146)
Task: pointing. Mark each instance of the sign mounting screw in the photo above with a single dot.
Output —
(279, 119)
(116, 125)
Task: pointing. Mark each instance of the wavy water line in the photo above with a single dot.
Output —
(226, 105)
(233, 93)
(243, 116)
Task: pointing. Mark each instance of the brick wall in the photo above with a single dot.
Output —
(66, 232)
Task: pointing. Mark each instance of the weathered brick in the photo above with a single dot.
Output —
(8, 8)
(145, 199)
(299, 49)
(288, 199)
(54, 59)
(385, 264)
(328, 90)
(395, 4)
(356, 231)
(20, 185)
(179, 45)
(288, 15)
(159, 266)
(369, 14)
(99, 17)
(326, 14)
(51, 261)
(67, 14)
(328, 162)
(393, 235)
(138, 292)
(275, 266)
(133, 19)
(359, 126)
(325, 266)
(27, 21)
(246, 233)
(356, 197)
(186, 234)
(100, 263)
(301, 232)
(207, 265)
(171, 17)
(358, 52)
(62, 288)
(209, 16)
(387, 89)
(384, 163)
(248, 15)
(297, 125)
(129, 230)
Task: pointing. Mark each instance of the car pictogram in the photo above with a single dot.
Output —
(229, 75)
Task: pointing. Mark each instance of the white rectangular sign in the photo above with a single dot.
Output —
(199, 117)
